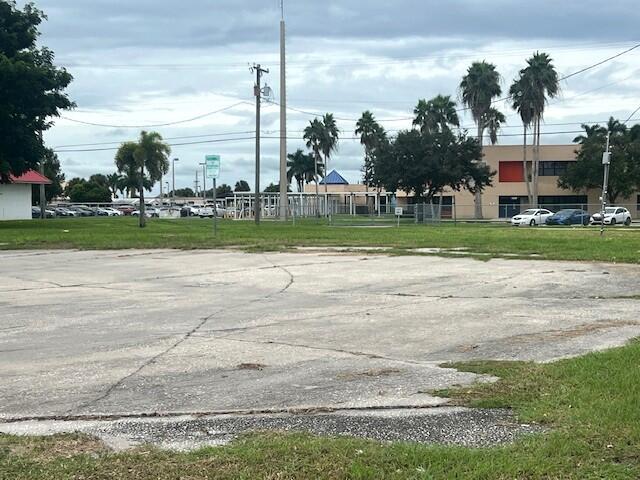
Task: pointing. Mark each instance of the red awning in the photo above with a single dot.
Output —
(31, 177)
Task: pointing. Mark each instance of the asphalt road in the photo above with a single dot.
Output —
(140, 332)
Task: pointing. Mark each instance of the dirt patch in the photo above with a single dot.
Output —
(57, 446)
(251, 366)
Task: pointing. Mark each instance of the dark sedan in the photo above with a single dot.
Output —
(569, 216)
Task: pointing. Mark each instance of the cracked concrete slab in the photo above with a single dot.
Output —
(113, 332)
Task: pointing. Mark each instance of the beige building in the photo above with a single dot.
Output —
(508, 195)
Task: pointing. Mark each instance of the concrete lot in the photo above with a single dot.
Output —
(140, 332)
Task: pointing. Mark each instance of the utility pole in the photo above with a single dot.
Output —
(606, 161)
(204, 182)
(257, 90)
(173, 194)
(43, 198)
(284, 201)
(197, 182)
(161, 192)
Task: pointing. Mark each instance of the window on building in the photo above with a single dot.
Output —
(559, 202)
(553, 168)
(511, 172)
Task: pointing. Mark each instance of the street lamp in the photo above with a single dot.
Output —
(204, 182)
(173, 193)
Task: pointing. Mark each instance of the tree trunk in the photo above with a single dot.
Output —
(524, 168)
(317, 192)
(326, 190)
(477, 200)
(536, 162)
(142, 218)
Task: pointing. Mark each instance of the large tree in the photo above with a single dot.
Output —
(114, 182)
(32, 89)
(436, 115)
(242, 186)
(149, 157)
(54, 173)
(587, 171)
(479, 88)
(329, 142)
(300, 166)
(424, 164)
(536, 84)
(313, 135)
(80, 190)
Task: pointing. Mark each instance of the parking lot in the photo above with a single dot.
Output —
(140, 332)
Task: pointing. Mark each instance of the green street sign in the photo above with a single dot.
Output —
(213, 166)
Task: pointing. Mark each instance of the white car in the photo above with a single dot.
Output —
(209, 212)
(531, 217)
(112, 212)
(612, 216)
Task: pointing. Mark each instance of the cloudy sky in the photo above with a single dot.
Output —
(152, 62)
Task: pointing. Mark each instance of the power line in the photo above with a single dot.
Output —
(168, 124)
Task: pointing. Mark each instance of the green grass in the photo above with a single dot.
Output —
(619, 245)
(590, 406)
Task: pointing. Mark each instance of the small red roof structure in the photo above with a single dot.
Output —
(30, 177)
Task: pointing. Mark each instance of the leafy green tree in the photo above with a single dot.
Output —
(424, 164)
(587, 171)
(80, 190)
(522, 102)
(300, 166)
(372, 136)
(242, 186)
(185, 193)
(436, 115)
(54, 173)
(224, 191)
(478, 89)
(537, 83)
(329, 141)
(32, 90)
(275, 188)
(149, 157)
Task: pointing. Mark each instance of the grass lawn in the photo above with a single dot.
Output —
(590, 404)
(619, 244)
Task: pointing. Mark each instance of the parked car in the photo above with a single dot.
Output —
(612, 216)
(149, 212)
(189, 211)
(64, 212)
(82, 211)
(112, 212)
(569, 216)
(101, 212)
(126, 209)
(532, 217)
(35, 213)
(209, 212)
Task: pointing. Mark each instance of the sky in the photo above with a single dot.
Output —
(154, 62)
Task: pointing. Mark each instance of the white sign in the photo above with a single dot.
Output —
(213, 166)
(399, 211)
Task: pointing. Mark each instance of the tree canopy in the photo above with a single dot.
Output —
(32, 89)
(54, 173)
(242, 186)
(80, 190)
(587, 171)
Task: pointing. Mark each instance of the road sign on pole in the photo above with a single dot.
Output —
(213, 166)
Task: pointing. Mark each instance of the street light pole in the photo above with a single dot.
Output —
(606, 161)
(284, 200)
(173, 193)
(204, 182)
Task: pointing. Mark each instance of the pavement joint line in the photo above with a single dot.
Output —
(311, 410)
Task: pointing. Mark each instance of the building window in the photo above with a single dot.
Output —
(511, 172)
(554, 168)
(559, 202)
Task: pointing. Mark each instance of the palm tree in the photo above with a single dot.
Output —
(436, 115)
(372, 135)
(149, 157)
(113, 182)
(539, 81)
(493, 121)
(300, 166)
(313, 134)
(329, 142)
(522, 103)
(478, 90)
(591, 131)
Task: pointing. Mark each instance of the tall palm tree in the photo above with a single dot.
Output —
(478, 90)
(493, 121)
(149, 156)
(329, 142)
(372, 135)
(300, 166)
(540, 83)
(313, 134)
(522, 103)
(436, 115)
